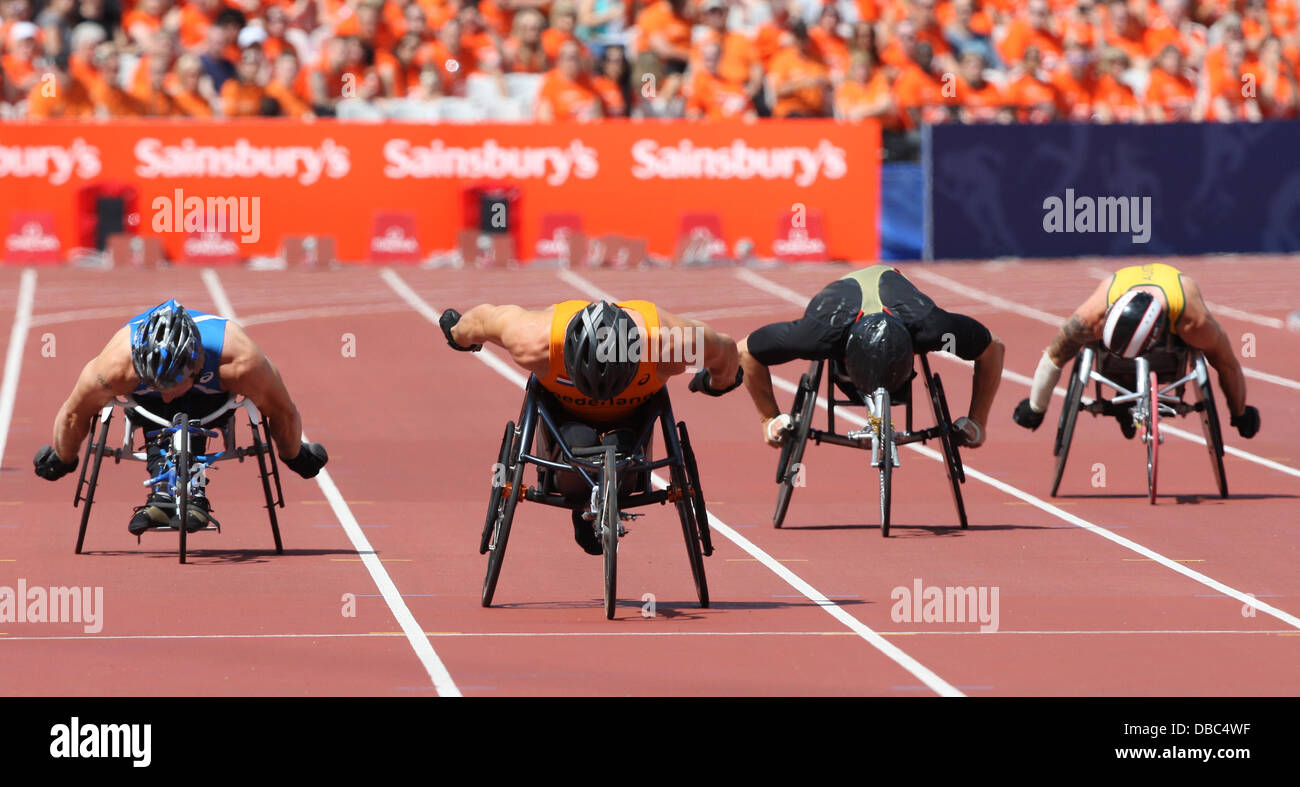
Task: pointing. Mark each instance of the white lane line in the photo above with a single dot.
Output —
(433, 665)
(1053, 320)
(919, 670)
(52, 318)
(322, 311)
(922, 673)
(561, 634)
(590, 288)
(1285, 617)
(1244, 316)
(14, 355)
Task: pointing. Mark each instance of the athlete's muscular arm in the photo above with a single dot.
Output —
(694, 343)
(246, 370)
(105, 376)
(526, 335)
(984, 384)
(1082, 327)
(758, 381)
(1199, 329)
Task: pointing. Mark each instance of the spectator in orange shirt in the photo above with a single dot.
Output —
(897, 51)
(413, 21)
(289, 101)
(56, 23)
(1125, 32)
(20, 63)
(710, 96)
(1255, 23)
(65, 97)
(831, 48)
(160, 48)
(195, 19)
(1276, 79)
(565, 95)
(81, 62)
(1172, 27)
(367, 24)
(149, 17)
(799, 82)
(865, 94)
(155, 99)
(453, 60)
(1113, 101)
(564, 19)
(479, 38)
(1171, 93)
(430, 85)
(1075, 82)
(614, 82)
(110, 99)
(979, 100)
(1082, 22)
(523, 49)
(276, 24)
(920, 94)
(665, 45)
(189, 96)
(969, 30)
(399, 73)
(244, 96)
(927, 30)
(740, 63)
(1233, 95)
(1035, 98)
(1036, 30)
(773, 35)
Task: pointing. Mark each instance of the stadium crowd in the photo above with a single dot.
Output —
(905, 63)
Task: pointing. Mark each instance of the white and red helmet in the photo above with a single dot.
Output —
(1134, 323)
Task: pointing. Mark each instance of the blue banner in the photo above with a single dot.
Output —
(1066, 190)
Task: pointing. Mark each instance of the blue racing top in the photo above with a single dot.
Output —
(212, 332)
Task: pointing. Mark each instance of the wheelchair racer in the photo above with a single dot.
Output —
(1132, 312)
(173, 360)
(873, 321)
(603, 362)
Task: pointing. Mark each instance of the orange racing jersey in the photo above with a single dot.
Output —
(643, 387)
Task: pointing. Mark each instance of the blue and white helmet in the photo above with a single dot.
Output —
(165, 346)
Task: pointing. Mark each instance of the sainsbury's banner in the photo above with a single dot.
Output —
(335, 179)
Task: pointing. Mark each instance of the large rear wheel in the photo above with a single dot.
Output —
(1211, 428)
(1069, 415)
(790, 469)
(500, 535)
(609, 531)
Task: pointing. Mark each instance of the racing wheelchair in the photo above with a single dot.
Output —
(598, 470)
(1148, 388)
(184, 472)
(878, 436)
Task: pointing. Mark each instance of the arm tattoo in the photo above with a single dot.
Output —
(1072, 337)
(103, 383)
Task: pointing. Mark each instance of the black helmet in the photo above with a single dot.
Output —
(165, 346)
(600, 350)
(1134, 323)
(878, 353)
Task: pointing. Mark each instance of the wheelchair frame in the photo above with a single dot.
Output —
(599, 467)
(183, 469)
(1190, 367)
(879, 436)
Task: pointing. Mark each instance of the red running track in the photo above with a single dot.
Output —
(1099, 593)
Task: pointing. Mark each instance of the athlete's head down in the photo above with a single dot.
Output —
(1134, 323)
(165, 347)
(878, 353)
(595, 357)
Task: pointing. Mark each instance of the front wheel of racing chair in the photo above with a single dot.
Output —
(506, 489)
(1079, 376)
(882, 455)
(1210, 425)
(789, 468)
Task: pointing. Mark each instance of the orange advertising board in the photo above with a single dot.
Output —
(333, 178)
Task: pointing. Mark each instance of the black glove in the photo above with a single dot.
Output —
(700, 383)
(50, 467)
(1247, 423)
(310, 459)
(448, 319)
(1026, 417)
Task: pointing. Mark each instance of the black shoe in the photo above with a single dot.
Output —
(156, 512)
(199, 518)
(1127, 426)
(585, 535)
